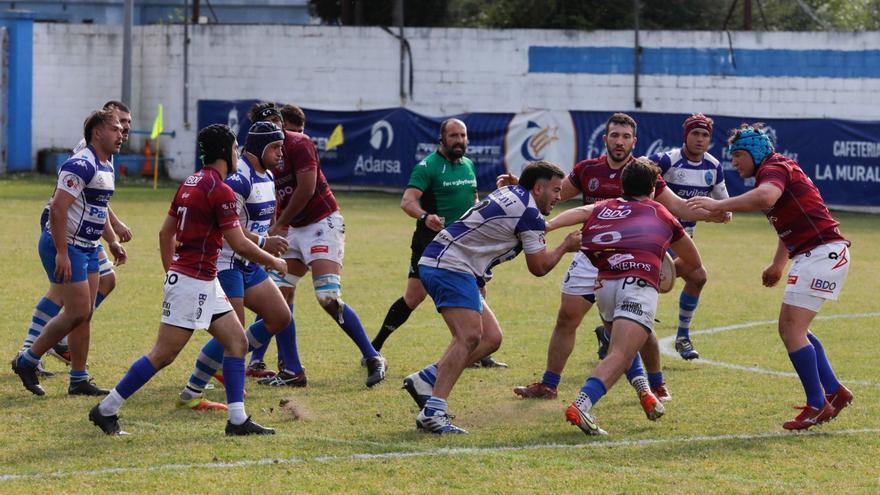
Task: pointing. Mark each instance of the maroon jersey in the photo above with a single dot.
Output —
(204, 207)
(628, 238)
(300, 155)
(598, 181)
(799, 216)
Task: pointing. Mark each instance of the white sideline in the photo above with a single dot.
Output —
(667, 347)
(446, 451)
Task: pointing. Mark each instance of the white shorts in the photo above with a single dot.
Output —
(817, 275)
(630, 298)
(322, 240)
(192, 303)
(580, 279)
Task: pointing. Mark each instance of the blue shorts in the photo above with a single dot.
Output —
(237, 280)
(82, 260)
(451, 289)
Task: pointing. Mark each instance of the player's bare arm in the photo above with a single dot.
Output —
(771, 275)
(574, 216)
(243, 246)
(687, 257)
(167, 238)
(568, 189)
(113, 244)
(61, 202)
(122, 231)
(305, 188)
(762, 198)
(680, 209)
(410, 204)
(542, 262)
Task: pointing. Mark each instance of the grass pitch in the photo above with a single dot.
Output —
(722, 432)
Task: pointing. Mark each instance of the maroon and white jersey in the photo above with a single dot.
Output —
(598, 181)
(300, 155)
(628, 238)
(204, 207)
(799, 216)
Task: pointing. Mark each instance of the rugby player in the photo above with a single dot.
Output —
(69, 251)
(811, 238)
(625, 239)
(457, 263)
(202, 214)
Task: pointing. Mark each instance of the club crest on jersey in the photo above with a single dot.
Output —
(593, 184)
(709, 177)
(609, 214)
(72, 181)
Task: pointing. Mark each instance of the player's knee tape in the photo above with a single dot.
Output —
(328, 290)
(290, 280)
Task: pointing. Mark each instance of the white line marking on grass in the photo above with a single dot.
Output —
(446, 451)
(667, 347)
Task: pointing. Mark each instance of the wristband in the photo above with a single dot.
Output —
(423, 216)
(261, 241)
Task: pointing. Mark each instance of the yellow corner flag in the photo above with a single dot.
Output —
(157, 124)
(336, 138)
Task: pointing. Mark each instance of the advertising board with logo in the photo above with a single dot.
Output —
(379, 148)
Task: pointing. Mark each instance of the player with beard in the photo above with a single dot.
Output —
(596, 180)
(625, 239)
(459, 260)
(441, 188)
(691, 171)
(811, 238)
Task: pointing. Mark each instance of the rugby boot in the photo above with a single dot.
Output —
(490, 362)
(661, 392)
(43, 372)
(685, 348)
(583, 420)
(285, 379)
(247, 428)
(653, 408)
(536, 390)
(603, 340)
(376, 368)
(201, 404)
(258, 369)
(61, 352)
(28, 378)
(437, 422)
(839, 400)
(107, 424)
(810, 416)
(419, 388)
(86, 387)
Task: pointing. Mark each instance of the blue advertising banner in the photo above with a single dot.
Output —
(379, 148)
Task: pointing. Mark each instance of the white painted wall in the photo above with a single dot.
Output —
(78, 67)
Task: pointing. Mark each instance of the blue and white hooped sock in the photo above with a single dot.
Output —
(44, 311)
(687, 305)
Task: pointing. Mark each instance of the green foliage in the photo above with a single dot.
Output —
(356, 440)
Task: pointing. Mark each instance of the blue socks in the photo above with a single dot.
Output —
(79, 376)
(636, 369)
(233, 379)
(687, 304)
(140, 373)
(594, 389)
(436, 404)
(826, 374)
(288, 352)
(257, 335)
(656, 379)
(804, 361)
(209, 361)
(28, 359)
(43, 312)
(99, 298)
(551, 379)
(352, 327)
(429, 374)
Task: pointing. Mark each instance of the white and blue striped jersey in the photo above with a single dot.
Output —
(688, 179)
(495, 230)
(255, 202)
(92, 183)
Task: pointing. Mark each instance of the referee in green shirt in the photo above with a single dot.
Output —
(441, 189)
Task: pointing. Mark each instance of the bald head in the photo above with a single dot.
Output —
(453, 139)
